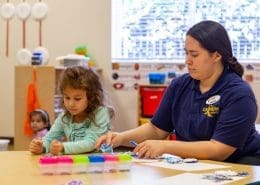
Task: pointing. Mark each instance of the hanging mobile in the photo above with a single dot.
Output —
(23, 11)
(39, 13)
(7, 12)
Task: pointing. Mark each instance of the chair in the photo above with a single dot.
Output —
(250, 160)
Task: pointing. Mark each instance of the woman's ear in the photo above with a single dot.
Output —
(217, 57)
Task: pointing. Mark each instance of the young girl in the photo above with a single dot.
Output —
(40, 123)
(84, 119)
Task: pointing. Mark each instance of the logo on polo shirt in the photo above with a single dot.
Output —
(210, 110)
(213, 99)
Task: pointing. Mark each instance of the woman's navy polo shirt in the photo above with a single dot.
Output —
(225, 113)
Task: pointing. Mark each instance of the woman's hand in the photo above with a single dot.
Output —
(113, 138)
(36, 146)
(150, 148)
(56, 147)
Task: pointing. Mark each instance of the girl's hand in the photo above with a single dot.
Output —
(150, 148)
(56, 147)
(36, 146)
(113, 138)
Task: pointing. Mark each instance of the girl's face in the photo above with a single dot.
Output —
(75, 101)
(37, 123)
(200, 63)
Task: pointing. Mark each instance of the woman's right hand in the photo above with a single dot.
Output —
(114, 138)
(36, 146)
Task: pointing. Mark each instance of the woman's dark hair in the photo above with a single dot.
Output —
(214, 37)
(79, 77)
(44, 116)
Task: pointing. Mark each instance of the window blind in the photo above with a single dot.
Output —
(154, 30)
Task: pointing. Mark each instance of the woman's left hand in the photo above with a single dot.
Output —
(150, 148)
(56, 147)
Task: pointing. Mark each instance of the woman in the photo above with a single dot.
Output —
(211, 109)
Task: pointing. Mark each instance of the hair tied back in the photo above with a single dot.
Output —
(232, 60)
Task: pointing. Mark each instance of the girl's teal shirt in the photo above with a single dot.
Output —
(81, 137)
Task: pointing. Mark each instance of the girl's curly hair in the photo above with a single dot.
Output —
(79, 77)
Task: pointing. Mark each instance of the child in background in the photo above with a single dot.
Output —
(85, 117)
(40, 123)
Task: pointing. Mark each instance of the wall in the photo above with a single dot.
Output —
(69, 23)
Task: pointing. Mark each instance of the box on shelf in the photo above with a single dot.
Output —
(157, 78)
(73, 60)
(151, 98)
(4, 144)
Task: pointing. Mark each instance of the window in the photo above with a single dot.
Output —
(154, 30)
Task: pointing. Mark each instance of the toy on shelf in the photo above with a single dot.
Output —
(37, 58)
(82, 50)
(79, 57)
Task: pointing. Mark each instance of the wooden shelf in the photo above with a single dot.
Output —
(45, 84)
